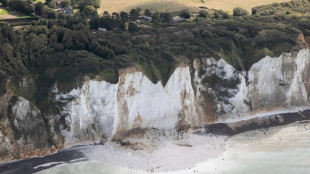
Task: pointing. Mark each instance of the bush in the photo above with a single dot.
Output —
(224, 14)
(124, 16)
(38, 7)
(90, 11)
(203, 14)
(217, 15)
(134, 14)
(64, 3)
(148, 13)
(156, 18)
(185, 14)
(22, 6)
(5, 3)
(240, 12)
(132, 27)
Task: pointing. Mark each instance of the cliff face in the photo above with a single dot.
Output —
(23, 132)
(270, 84)
(98, 110)
(206, 91)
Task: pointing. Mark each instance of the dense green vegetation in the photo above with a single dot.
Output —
(65, 49)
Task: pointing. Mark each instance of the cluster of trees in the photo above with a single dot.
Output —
(216, 14)
(107, 22)
(44, 11)
(18, 5)
(62, 47)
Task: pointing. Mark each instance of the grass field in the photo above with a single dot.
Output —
(3, 11)
(177, 5)
(6, 13)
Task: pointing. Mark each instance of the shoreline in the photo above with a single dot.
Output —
(217, 133)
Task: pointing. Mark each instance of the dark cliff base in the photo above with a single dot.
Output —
(234, 128)
(75, 154)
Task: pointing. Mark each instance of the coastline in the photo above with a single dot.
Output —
(170, 153)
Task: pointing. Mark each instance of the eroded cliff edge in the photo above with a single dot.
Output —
(205, 91)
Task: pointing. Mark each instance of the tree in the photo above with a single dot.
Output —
(240, 12)
(224, 14)
(217, 15)
(119, 24)
(51, 4)
(106, 13)
(166, 17)
(48, 13)
(185, 14)
(147, 12)
(156, 18)
(134, 14)
(84, 3)
(22, 6)
(107, 22)
(115, 15)
(94, 22)
(132, 27)
(38, 7)
(124, 16)
(203, 14)
(90, 11)
(64, 3)
(5, 3)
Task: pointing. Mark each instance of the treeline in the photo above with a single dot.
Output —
(63, 49)
(18, 5)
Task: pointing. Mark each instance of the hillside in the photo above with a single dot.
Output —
(178, 5)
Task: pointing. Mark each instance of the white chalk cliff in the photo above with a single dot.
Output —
(207, 91)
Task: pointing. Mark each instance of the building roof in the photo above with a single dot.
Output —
(146, 18)
(102, 29)
(177, 19)
(67, 10)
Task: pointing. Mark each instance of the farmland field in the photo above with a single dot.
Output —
(177, 5)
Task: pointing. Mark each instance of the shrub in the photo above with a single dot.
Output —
(156, 18)
(132, 27)
(90, 11)
(203, 14)
(217, 15)
(64, 3)
(147, 12)
(124, 16)
(224, 14)
(185, 14)
(134, 14)
(38, 8)
(240, 12)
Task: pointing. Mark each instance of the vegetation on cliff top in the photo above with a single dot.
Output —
(65, 49)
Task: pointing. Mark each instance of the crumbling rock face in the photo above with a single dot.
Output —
(212, 92)
(281, 82)
(22, 129)
(270, 84)
(97, 111)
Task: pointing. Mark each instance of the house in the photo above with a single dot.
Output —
(102, 29)
(67, 10)
(177, 19)
(146, 19)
